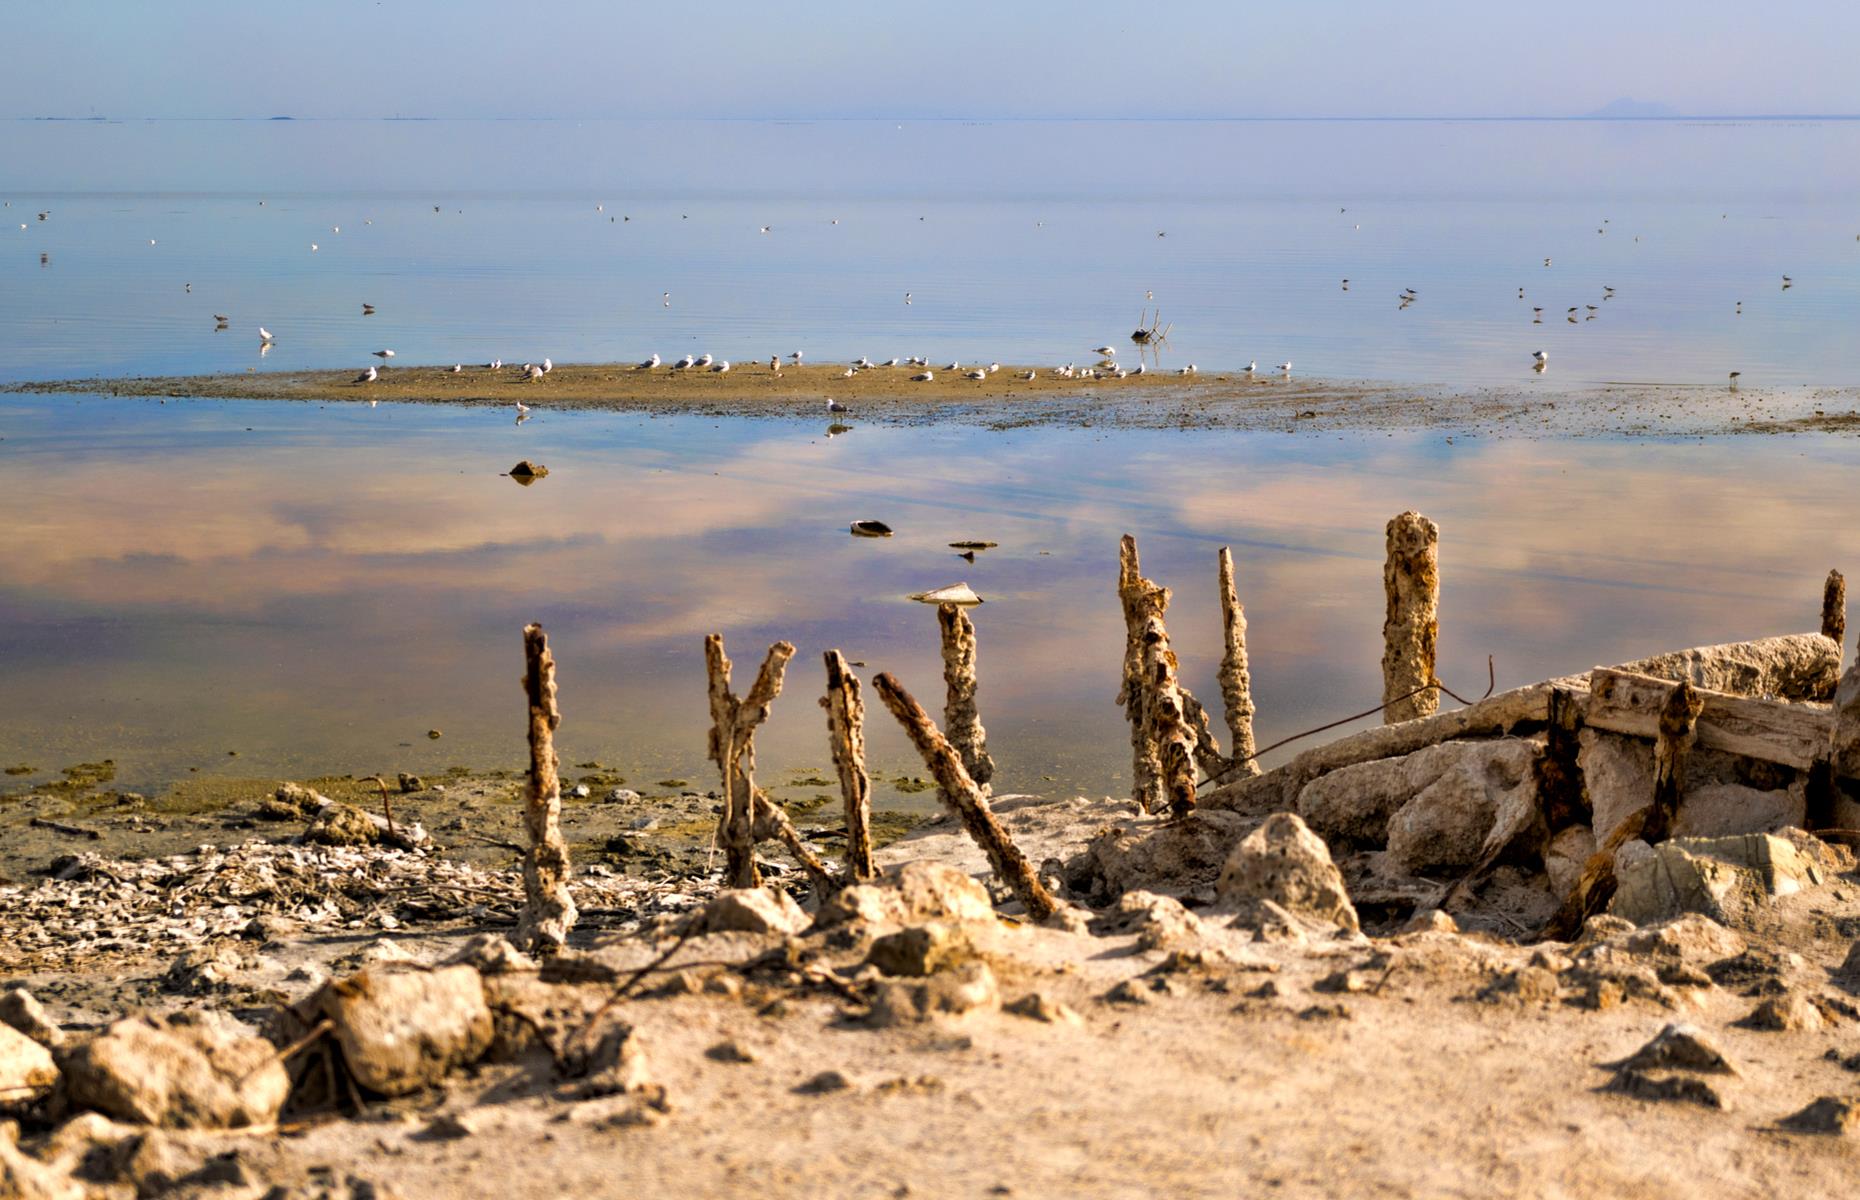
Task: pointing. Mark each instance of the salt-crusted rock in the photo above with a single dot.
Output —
(921, 949)
(953, 993)
(187, 1070)
(1158, 921)
(1565, 855)
(1617, 774)
(1723, 878)
(26, 1068)
(492, 954)
(1692, 939)
(1168, 857)
(23, 1177)
(1284, 862)
(1795, 666)
(1829, 1114)
(1789, 1012)
(339, 824)
(1463, 782)
(402, 1030)
(916, 891)
(751, 910)
(1678, 1048)
(1726, 809)
(22, 1011)
(1445, 824)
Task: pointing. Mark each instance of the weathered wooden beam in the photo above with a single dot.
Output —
(548, 909)
(1411, 630)
(961, 795)
(962, 721)
(1235, 677)
(1795, 666)
(846, 734)
(1793, 735)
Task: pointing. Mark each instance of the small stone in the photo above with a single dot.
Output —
(26, 1178)
(1527, 985)
(621, 795)
(21, 1010)
(401, 1031)
(27, 1071)
(920, 949)
(411, 783)
(1431, 920)
(1693, 939)
(1130, 991)
(950, 993)
(492, 954)
(269, 927)
(751, 910)
(914, 892)
(1790, 1012)
(580, 791)
(824, 1083)
(434, 734)
(1284, 862)
(1345, 982)
(1038, 1006)
(731, 1051)
(1644, 1086)
(1829, 1114)
(186, 1070)
(1325, 1012)
(1680, 1048)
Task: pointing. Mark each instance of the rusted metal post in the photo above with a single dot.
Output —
(846, 734)
(548, 909)
(962, 721)
(962, 796)
(1411, 581)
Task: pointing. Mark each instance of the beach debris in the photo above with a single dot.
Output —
(1150, 329)
(955, 593)
(195, 1069)
(962, 721)
(846, 736)
(1284, 863)
(403, 1029)
(973, 545)
(1411, 582)
(960, 793)
(870, 529)
(1235, 679)
(526, 471)
(548, 908)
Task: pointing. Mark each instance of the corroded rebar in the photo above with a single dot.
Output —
(1411, 580)
(733, 749)
(962, 721)
(961, 795)
(548, 909)
(1236, 680)
(846, 734)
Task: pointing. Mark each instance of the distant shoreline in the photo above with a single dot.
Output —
(1265, 401)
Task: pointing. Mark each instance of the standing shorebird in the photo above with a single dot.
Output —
(368, 376)
(650, 363)
(721, 367)
(264, 335)
(1540, 356)
(834, 406)
(384, 355)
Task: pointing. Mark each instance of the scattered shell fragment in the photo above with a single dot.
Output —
(955, 593)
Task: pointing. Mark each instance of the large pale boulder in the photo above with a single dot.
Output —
(1356, 805)
(1725, 879)
(1444, 825)
(403, 1030)
(1285, 863)
(27, 1071)
(186, 1070)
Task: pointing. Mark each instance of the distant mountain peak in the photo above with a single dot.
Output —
(1629, 109)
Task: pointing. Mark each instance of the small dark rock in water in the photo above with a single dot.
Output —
(434, 734)
(411, 783)
(973, 545)
(870, 529)
(525, 469)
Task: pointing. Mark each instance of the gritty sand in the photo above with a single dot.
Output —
(1156, 400)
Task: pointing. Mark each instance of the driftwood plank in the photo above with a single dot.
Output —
(1794, 735)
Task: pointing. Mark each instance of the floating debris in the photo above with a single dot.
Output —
(955, 593)
(973, 545)
(527, 472)
(870, 529)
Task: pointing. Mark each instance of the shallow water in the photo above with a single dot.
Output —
(1018, 242)
(317, 587)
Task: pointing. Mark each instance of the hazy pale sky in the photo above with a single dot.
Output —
(911, 58)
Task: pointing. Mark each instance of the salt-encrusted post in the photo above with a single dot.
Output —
(733, 749)
(1142, 601)
(1678, 725)
(1236, 681)
(1411, 579)
(846, 734)
(962, 720)
(1170, 732)
(1834, 608)
(960, 793)
(548, 909)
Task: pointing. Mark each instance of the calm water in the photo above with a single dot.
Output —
(1019, 242)
(317, 587)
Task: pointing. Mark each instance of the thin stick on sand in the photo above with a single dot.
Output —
(548, 909)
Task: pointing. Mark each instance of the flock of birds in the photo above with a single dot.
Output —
(1106, 367)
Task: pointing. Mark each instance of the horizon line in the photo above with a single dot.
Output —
(972, 118)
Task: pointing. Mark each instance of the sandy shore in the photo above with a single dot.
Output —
(1007, 400)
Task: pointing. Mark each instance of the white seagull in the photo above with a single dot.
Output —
(704, 360)
(523, 410)
(650, 363)
(1252, 366)
(834, 405)
(1107, 351)
(796, 356)
(384, 354)
(534, 372)
(457, 368)
(547, 366)
(264, 335)
(368, 376)
(926, 377)
(721, 367)
(1286, 367)
(978, 374)
(1540, 356)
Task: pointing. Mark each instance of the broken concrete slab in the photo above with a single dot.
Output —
(1355, 805)
(186, 1070)
(1722, 878)
(403, 1030)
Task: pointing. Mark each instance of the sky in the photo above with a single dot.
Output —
(915, 59)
